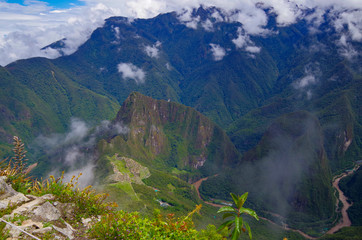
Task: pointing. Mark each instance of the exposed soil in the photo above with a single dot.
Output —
(198, 184)
(345, 221)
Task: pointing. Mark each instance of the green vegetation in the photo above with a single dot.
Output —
(351, 187)
(37, 98)
(253, 96)
(171, 136)
(346, 233)
(286, 174)
(87, 203)
(132, 226)
(237, 223)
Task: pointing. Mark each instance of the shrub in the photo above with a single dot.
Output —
(123, 225)
(87, 201)
(237, 222)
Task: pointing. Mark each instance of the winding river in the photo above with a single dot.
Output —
(344, 222)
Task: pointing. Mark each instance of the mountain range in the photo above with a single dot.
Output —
(276, 114)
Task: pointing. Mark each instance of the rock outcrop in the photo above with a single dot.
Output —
(31, 217)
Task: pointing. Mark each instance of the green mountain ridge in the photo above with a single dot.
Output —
(38, 98)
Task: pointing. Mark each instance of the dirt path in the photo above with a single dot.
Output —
(345, 221)
(198, 184)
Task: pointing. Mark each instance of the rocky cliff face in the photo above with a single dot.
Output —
(171, 135)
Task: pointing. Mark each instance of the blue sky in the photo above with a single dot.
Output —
(58, 4)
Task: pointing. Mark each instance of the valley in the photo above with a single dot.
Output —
(184, 108)
(344, 221)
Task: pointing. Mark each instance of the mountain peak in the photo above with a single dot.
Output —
(183, 137)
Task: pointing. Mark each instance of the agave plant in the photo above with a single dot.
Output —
(236, 213)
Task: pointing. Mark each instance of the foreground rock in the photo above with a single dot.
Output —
(31, 217)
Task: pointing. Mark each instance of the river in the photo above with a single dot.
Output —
(344, 222)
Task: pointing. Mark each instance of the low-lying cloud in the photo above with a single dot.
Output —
(311, 75)
(218, 52)
(305, 81)
(153, 51)
(74, 150)
(128, 70)
(288, 160)
(244, 42)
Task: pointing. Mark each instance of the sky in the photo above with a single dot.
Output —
(27, 26)
(58, 4)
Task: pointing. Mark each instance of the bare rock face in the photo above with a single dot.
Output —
(47, 212)
(68, 231)
(28, 207)
(13, 200)
(5, 189)
(8, 196)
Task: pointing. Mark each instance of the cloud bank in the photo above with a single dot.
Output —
(24, 30)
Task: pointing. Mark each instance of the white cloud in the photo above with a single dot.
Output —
(348, 52)
(24, 30)
(187, 18)
(207, 25)
(305, 84)
(353, 20)
(252, 49)
(243, 41)
(217, 16)
(217, 51)
(305, 81)
(253, 20)
(153, 51)
(117, 32)
(128, 70)
(287, 11)
(116, 128)
(168, 66)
